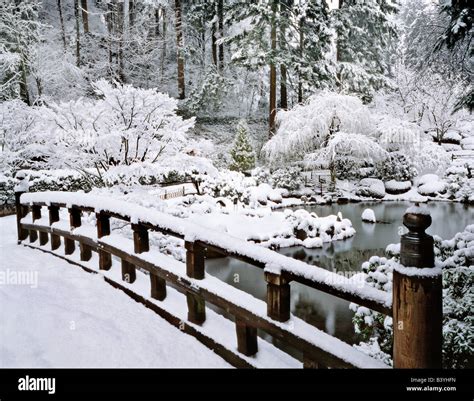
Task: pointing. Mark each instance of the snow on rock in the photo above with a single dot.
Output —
(397, 187)
(263, 193)
(368, 216)
(431, 185)
(372, 188)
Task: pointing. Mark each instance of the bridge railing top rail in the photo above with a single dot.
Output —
(272, 262)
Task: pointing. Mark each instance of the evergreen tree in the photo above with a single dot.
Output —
(365, 34)
(242, 153)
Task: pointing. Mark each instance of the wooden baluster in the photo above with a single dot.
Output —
(74, 221)
(103, 229)
(53, 218)
(278, 297)
(21, 211)
(36, 215)
(195, 268)
(43, 236)
(158, 287)
(246, 338)
(310, 363)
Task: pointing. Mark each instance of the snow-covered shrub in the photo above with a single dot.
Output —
(287, 178)
(430, 158)
(375, 329)
(314, 230)
(371, 188)
(347, 168)
(23, 137)
(7, 192)
(397, 187)
(304, 129)
(431, 185)
(242, 152)
(395, 167)
(122, 126)
(455, 257)
(228, 184)
(262, 175)
(460, 185)
(262, 194)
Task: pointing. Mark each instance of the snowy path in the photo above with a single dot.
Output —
(75, 319)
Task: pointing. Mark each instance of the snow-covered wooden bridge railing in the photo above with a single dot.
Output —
(249, 314)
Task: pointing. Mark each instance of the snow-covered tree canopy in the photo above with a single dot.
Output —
(124, 125)
(306, 127)
(354, 146)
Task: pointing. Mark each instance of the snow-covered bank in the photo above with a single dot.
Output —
(67, 318)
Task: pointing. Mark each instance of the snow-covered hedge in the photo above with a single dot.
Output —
(456, 259)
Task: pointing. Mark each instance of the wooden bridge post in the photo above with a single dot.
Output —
(53, 218)
(278, 297)
(417, 300)
(21, 211)
(246, 338)
(195, 268)
(35, 215)
(103, 229)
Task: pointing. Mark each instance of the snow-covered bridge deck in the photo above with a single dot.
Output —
(62, 317)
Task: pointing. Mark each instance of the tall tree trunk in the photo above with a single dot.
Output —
(24, 95)
(220, 16)
(273, 38)
(300, 78)
(180, 50)
(85, 16)
(61, 21)
(283, 70)
(131, 13)
(339, 52)
(120, 29)
(78, 33)
(214, 43)
(157, 23)
(163, 50)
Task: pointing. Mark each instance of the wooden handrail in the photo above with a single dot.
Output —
(379, 301)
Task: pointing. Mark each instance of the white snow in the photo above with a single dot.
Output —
(75, 319)
(418, 210)
(368, 216)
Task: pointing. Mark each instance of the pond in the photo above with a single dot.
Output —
(327, 312)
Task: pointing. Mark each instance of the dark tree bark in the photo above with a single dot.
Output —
(214, 44)
(131, 13)
(120, 32)
(85, 16)
(24, 95)
(220, 17)
(300, 79)
(78, 33)
(273, 38)
(61, 21)
(180, 49)
(283, 69)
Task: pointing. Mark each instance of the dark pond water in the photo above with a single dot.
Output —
(325, 311)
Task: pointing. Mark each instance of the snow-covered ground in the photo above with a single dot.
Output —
(64, 317)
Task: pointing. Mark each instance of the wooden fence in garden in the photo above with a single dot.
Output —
(415, 304)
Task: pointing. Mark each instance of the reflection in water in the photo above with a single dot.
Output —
(325, 311)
